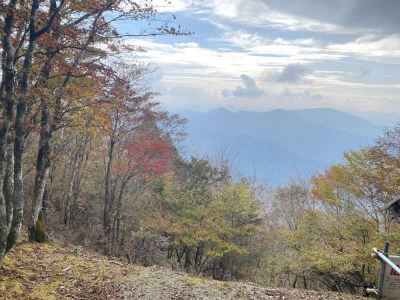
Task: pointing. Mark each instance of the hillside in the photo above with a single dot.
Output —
(49, 271)
(278, 145)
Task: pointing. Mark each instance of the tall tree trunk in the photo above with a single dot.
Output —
(46, 130)
(19, 143)
(7, 105)
(76, 164)
(70, 192)
(8, 187)
(42, 173)
(18, 176)
(113, 247)
(108, 197)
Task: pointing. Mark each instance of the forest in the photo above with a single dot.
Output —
(88, 155)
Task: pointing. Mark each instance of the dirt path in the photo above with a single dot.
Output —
(160, 284)
(54, 272)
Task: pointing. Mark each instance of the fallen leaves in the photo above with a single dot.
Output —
(45, 271)
(51, 272)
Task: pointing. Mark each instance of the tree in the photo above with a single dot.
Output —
(47, 46)
(208, 221)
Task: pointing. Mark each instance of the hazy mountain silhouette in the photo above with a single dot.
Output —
(278, 145)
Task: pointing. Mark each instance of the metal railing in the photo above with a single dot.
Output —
(383, 257)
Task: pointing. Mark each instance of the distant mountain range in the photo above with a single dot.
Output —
(278, 145)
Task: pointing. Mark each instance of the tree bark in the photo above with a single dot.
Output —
(43, 156)
(19, 142)
(7, 92)
(8, 187)
(108, 197)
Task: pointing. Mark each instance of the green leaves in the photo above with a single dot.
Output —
(206, 214)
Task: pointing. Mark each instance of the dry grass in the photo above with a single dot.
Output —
(49, 271)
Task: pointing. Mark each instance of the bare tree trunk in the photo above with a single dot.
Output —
(45, 206)
(108, 197)
(46, 130)
(42, 173)
(305, 285)
(19, 138)
(76, 186)
(19, 143)
(8, 187)
(18, 177)
(70, 193)
(7, 92)
(117, 217)
(76, 164)
(107, 186)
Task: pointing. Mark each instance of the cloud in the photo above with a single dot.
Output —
(340, 16)
(376, 15)
(169, 5)
(260, 13)
(294, 51)
(248, 89)
(192, 59)
(346, 59)
(282, 99)
(189, 97)
(371, 46)
(291, 74)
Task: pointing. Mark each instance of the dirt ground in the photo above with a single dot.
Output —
(53, 272)
(157, 283)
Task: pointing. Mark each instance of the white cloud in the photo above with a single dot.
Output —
(258, 13)
(190, 67)
(195, 73)
(228, 63)
(297, 51)
(371, 46)
(291, 74)
(247, 89)
(162, 6)
(169, 5)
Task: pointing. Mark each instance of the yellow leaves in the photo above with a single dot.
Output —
(83, 88)
(12, 288)
(335, 237)
(46, 290)
(323, 190)
(336, 185)
(328, 243)
(374, 169)
(219, 220)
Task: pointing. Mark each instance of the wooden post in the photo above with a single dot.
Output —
(382, 273)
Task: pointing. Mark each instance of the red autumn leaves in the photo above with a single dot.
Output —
(146, 153)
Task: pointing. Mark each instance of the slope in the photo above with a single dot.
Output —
(49, 271)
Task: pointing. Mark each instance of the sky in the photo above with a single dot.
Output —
(260, 55)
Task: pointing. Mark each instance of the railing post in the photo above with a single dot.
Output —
(383, 270)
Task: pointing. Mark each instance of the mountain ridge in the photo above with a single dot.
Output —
(278, 145)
